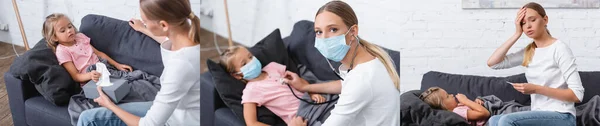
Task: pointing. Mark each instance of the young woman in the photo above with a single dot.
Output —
(553, 80)
(367, 95)
(177, 102)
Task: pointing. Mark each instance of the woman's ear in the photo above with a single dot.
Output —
(164, 25)
(354, 31)
(546, 20)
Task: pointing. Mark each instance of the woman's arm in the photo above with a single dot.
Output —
(250, 115)
(477, 111)
(331, 87)
(138, 26)
(560, 94)
(500, 53)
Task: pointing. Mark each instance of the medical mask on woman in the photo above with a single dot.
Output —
(252, 69)
(333, 48)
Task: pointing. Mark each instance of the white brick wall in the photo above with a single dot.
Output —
(33, 13)
(431, 35)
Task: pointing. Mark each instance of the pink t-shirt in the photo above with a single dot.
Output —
(462, 109)
(81, 53)
(271, 93)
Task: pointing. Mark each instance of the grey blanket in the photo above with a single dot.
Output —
(496, 106)
(143, 88)
(314, 115)
(588, 114)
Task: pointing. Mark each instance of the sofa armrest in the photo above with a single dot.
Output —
(18, 91)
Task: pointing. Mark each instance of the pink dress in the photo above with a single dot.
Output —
(81, 53)
(462, 109)
(272, 94)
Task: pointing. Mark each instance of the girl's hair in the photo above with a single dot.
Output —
(48, 31)
(530, 49)
(349, 17)
(174, 12)
(226, 59)
(433, 98)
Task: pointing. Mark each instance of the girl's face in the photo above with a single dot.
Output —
(64, 31)
(157, 28)
(241, 57)
(328, 24)
(534, 25)
(449, 100)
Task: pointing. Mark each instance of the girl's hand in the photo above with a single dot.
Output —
(461, 97)
(94, 75)
(519, 21)
(136, 24)
(526, 88)
(102, 99)
(298, 121)
(318, 98)
(123, 67)
(479, 101)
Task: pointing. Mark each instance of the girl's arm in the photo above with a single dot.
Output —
(250, 115)
(137, 25)
(78, 77)
(477, 111)
(111, 61)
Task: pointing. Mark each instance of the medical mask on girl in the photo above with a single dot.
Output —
(333, 48)
(252, 69)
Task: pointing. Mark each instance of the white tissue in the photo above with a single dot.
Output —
(104, 79)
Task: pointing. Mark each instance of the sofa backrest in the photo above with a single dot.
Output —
(122, 43)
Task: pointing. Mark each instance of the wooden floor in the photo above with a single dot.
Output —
(7, 56)
(209, 50)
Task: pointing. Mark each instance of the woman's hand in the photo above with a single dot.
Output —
(298, 121)
(519, 21)
(102, 99)
(123, 67)
(318, 98)
(94, 75)
(526, 88)
(137, 25)
(295, 81)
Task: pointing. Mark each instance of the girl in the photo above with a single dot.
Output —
(368, 96)
(264, 87)
(473, 111)
(550, 69)
(73, 50)
(177, 103)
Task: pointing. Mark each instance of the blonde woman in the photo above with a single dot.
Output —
(369, 91)
(550, 69)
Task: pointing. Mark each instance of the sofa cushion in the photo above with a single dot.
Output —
(271, 49)
(591, 82)
(40, 67)
(225, 117)
(40, 112)
(122, 43)
(473, 86)
(414, 111)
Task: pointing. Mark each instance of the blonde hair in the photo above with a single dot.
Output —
(349, 18)
(174, 12)
(530, 49)
(225, 59)
(48, 31)
(433, 97)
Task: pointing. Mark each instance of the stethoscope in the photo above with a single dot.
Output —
(336, 73)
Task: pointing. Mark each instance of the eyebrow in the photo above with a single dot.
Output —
(330, 25)
(530, 17)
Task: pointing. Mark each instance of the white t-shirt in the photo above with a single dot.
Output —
(552, 66)
(368, 98)
(177, 103)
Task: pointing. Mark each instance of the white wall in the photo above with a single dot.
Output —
(33, 13)
(431, 34)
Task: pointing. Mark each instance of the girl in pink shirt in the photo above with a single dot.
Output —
(73, 50)
(263, 86)
(472, 111)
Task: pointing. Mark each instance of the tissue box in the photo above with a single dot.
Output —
(116, 92)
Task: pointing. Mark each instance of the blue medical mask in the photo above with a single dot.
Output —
(333, 48)
(252, 69)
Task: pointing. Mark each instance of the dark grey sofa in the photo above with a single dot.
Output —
(111, 36)
(300, 45)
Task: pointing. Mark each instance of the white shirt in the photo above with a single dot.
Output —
(552, 66)
(177, 103)
(368, 98)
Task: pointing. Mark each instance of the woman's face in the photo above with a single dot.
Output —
(239, 59)
(157, 28)
(328, 25)
(449, 100)
(534, 25)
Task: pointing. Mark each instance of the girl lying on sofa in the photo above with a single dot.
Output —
(473, 111)
(264, 85)
(74, 51)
